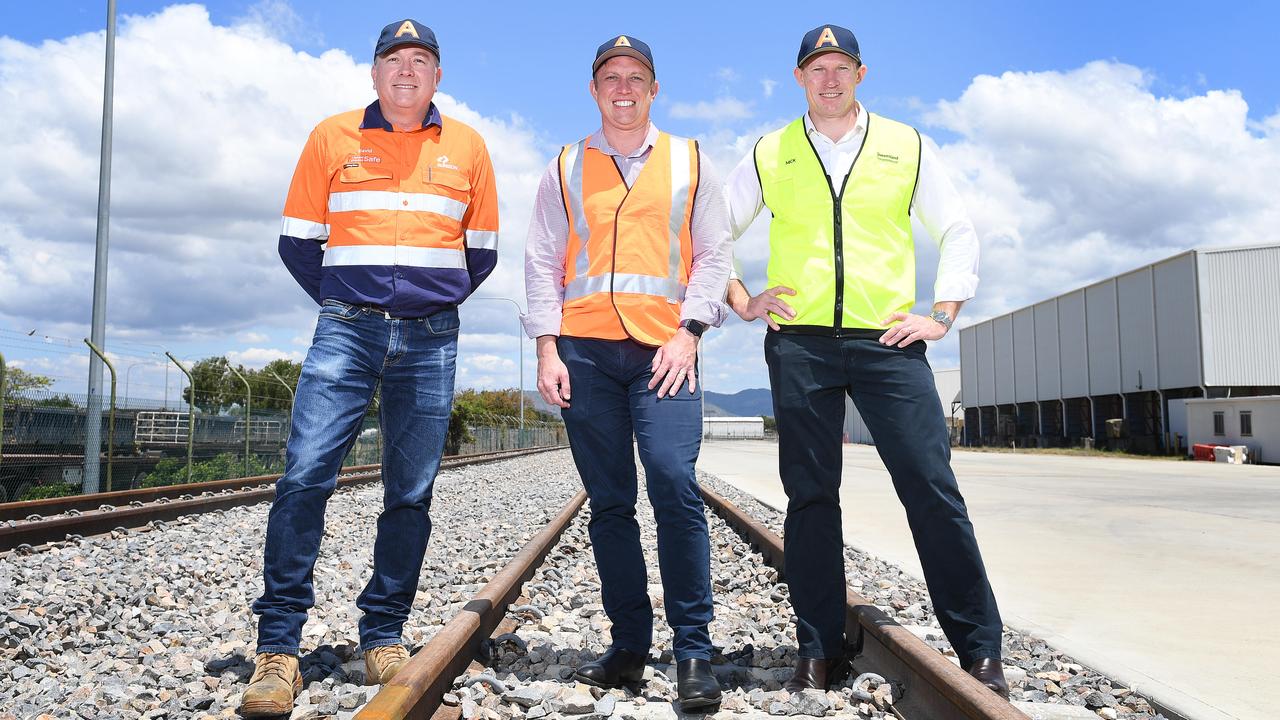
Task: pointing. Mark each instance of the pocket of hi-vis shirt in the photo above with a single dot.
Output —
(361, 195)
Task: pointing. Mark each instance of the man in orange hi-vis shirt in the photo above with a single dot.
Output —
(391, 222)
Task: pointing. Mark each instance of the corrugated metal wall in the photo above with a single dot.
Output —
(1024, 353)
(1048, 380)
(1075, 353)
(1003, 330)
(1177, 321)
(1104, 343)
(969, 365)
(1240, 315)
(986, 364)
(1137, 331)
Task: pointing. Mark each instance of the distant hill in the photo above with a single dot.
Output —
(744, 403)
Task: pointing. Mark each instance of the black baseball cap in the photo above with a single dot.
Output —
(624, 45)
(828, 38)
(406, 32)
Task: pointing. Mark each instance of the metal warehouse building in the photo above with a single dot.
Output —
(1102, 362)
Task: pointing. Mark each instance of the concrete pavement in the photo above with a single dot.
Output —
(1163, 574)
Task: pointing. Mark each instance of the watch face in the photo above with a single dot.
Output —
(695, 327)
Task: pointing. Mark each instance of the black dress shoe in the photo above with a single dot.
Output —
(990, 672)
(615, 668)
(817, 674)
(696, 684)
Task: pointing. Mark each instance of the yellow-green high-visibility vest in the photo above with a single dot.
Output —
(852, 267)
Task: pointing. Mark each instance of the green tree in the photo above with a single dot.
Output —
(18, 382)
(268, 393)
(504, 403)
(210, 376)
(57, 401)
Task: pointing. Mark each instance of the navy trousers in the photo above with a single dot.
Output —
(893, 389)
(611, 401)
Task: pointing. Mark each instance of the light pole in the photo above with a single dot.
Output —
(98, 322)
(126, 377)
(520, 343)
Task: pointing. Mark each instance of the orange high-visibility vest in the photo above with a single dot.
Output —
(630, 252)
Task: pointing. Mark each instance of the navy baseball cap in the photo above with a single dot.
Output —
(624, 45)
(406, 32)
(828, 38)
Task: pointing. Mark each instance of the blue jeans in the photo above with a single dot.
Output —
(610, 401)
(355, 349)
(893, 389)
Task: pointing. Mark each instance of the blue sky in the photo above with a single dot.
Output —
(1088, 139)
(520, 57)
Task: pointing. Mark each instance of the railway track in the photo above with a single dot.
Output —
(926, 686)
(26, 525)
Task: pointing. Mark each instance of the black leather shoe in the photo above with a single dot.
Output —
(696, 684)
(990, 672)
(817, 674)
(615, 668)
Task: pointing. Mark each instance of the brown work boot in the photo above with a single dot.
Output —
(275, 683)
(382, 663)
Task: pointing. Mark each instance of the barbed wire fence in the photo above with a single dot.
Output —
(170, 431)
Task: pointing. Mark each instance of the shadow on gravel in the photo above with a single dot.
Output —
(343, 663)
(550, 663)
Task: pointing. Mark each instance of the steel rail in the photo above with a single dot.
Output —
(92, 520)
(416, 691)
(93, 501)
(928, 685)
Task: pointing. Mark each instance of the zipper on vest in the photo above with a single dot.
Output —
(837, 207)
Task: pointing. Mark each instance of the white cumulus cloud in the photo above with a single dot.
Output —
(1075, 176)
(723, 109)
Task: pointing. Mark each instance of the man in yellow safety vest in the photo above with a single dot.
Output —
(842, 185)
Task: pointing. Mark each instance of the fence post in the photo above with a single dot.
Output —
(191, 410)
(292, 397)
(248, 415)
(3, 373)
(111, 416)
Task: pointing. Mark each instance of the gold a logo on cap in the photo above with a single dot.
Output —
(622, 42)
(826, 38)
(407, 28)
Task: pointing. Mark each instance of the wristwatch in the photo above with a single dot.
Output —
(695, 327)
(942, 318)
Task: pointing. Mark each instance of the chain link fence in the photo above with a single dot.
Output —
(161, 442)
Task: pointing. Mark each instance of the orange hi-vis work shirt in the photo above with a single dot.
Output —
(629, 251)
(406, 222)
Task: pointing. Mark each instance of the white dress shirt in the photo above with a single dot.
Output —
(936, 204)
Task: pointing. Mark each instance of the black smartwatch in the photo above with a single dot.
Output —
(695, 327)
